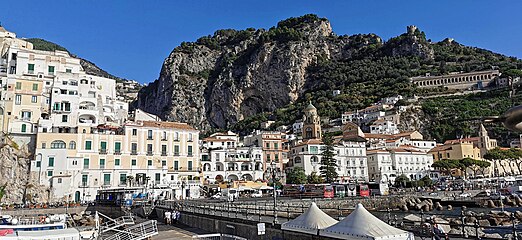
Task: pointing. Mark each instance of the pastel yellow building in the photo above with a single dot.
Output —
(146, 153)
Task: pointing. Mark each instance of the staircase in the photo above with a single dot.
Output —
(137, 232)
(113, 224)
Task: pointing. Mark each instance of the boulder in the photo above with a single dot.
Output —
(450, 208)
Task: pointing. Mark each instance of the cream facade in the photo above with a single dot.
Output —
(76, 165)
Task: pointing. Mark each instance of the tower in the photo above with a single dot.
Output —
(311, 123)
(484, 141)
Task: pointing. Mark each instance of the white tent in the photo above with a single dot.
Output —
(310, 221)
(361, 224)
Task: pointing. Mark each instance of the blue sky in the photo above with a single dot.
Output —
(131, 39)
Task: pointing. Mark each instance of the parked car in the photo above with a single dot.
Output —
(483, 194)
(257, 194)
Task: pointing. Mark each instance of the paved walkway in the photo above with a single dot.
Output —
(177, 231)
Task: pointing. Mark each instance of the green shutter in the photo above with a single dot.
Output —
(88, 145)
(51, 69)
(106, 179)
(85, 163)
(103, 145)
(38, 163)
(35, 86)
(123, 178)
(102, 162)
(24, 128)
(50, 173)
(51, 161)
(84, 180)
(176, 165)
(117, 146)
(18, 85)
(117, 162)
(189, 165)
(30, 67)
(133, 162)
(176, 149)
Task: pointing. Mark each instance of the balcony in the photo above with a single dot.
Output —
(83, 185)
(163, 153)
(103, 151)
(149, 137)
(163, 139)
(134, 152)
(149, 153)
(189, 154)
(176, 153)
(117, 152)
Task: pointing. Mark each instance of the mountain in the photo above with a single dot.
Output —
(235, 79)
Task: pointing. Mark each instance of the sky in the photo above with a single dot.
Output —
(131, 39)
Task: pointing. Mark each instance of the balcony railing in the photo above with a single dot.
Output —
(149, 153)
(134, 152)
(163, 139)
(117, 152)
(189, 154)
(163, 153)
(149, 137)
(176, 153)
(83, 185)
(103, 151)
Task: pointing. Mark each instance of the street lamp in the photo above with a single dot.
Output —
(275, 176)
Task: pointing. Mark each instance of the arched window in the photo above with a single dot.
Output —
(297, 160)
(84, 131)
(308, 132)
(72, 145)
(314, 159)
(24, 128)
(57, 144)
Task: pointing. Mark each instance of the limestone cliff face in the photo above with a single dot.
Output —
(15, 175)
(222, 79)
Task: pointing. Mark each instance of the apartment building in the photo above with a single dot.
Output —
(147, 153)
(385, 165)
(52, 87)
(272, 144)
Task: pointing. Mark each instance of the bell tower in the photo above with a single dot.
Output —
(311, 123)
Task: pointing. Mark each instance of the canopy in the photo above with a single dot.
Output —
(361, 224)
(310, 221)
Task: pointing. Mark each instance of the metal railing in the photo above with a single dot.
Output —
(137, 232)
(218, 236)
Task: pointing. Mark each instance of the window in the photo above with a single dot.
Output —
(72, 145)
(85, 163)
(88, 145)
(18, 86)
(74, 162)
(176, 150)
(176, 165)
(59, 180)
(190, 165)
(43, 145)
(149, 162)
(51, 162)
(276, 156)
(164, 136)
(57, 106)
(149, 149)
(103, 145)
(102, 163)
(26, 115)
(190, 137)
(276, 146)
(38, 164)
(268, 157)
(157, 177)
(176, 136)
(267, 145)
(30, 68)
(57, 144)
(50, 70)
(34, 99)
(49, 173)
(149, 134)
(314, 149)
(163, 163)
(18, 99)
(164, 150)
(85, 178)
(35, 86)
(24, 128)
(117, 162)
(134, 132)
(117, 147)
(133, 162)
(123, 178)
(190, 150)
(107, 179)
(134, 148)
(65, 118)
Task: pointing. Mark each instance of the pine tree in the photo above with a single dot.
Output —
(328, 162)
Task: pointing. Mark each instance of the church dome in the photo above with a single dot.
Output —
(310, 107)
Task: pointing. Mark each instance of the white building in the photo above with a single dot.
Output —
(232, 164)
(384, 127)
(387, 164)
(297, 127)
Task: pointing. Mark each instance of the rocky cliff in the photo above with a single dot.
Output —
(15, 176)
(221, 79)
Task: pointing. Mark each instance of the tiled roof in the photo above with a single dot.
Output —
(174, 125)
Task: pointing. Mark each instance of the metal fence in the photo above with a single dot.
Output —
(263, 211)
